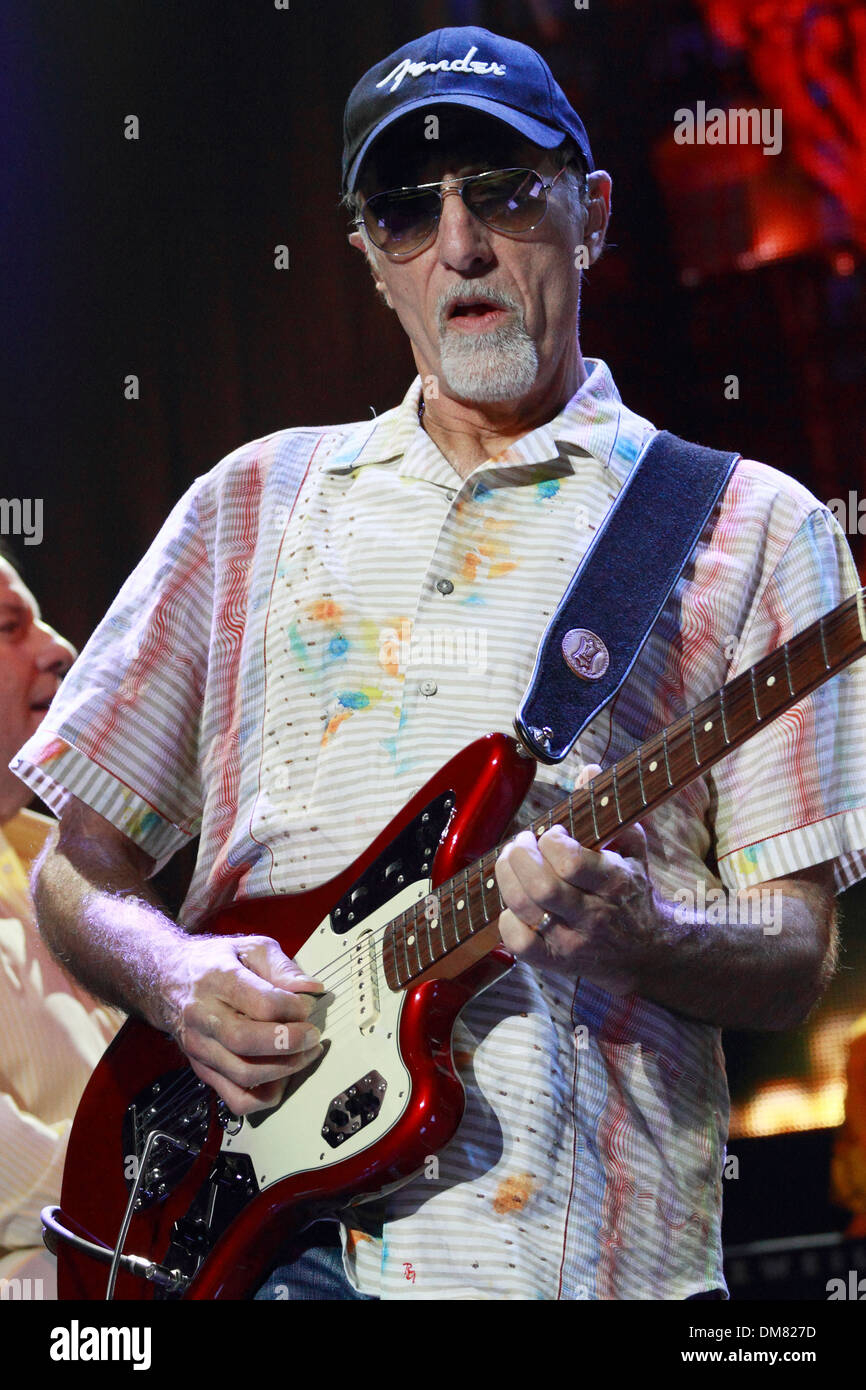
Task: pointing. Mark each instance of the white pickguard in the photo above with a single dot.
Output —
(289, 1140)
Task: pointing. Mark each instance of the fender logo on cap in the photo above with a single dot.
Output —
(409, 69)
(585, 653)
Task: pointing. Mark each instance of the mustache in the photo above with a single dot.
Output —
(501, 298)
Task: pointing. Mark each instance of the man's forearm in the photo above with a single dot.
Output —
(100, 917)
(737, 965)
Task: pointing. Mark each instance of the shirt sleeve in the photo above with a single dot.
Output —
(31, 1168)
(795, 794)
(123, 733)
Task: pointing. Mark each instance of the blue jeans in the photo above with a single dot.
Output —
(312, 1269)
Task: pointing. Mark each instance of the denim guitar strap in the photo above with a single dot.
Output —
(618, 591)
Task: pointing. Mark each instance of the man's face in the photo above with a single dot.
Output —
(492, 315)
(33, 661)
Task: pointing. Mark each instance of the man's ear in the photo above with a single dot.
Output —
(359, 241)
(598, 213)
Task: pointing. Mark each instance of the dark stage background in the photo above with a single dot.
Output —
(155, 257)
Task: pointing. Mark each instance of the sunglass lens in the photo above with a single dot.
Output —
(511, 200)
(400, 221)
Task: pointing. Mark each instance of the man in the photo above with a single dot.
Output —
(245, 686)
(53, 1032)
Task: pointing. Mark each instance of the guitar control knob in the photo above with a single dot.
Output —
(231, 1123)
(338, 1118)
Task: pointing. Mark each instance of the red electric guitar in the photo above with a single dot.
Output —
(184, 1199)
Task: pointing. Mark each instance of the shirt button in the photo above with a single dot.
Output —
(445, 586)
(450, 495)
(428, 687)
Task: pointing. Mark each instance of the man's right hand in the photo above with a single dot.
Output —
(237, 1006)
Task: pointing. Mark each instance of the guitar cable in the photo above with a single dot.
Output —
(54, 1231)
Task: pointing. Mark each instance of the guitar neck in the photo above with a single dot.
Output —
(468, 905)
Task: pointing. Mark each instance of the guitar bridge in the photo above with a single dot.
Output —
(354, 1108)
(178, 1105)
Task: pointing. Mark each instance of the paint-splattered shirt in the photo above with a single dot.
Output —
(325, 619)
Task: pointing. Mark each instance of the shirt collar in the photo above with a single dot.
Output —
(594, 423)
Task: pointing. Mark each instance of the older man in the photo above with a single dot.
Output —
(53, 1032)
(241, 687)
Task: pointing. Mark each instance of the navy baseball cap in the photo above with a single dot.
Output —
(460, 67)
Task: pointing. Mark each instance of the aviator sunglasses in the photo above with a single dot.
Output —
(402, 220)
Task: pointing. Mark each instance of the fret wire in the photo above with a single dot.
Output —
(787, 657)
(454, 929)
(416, 945)
(405, 949)
(754, 692)
(667, 759)
(823, 644)
(722, 713)
(571, 818)
(640, 778)
(495, 888)
(468, 900)
(594, 817)
(481, 877)
(439, 929)
(694, 738)
(437, 944)
(428, 928)
(616, 793)
(419, 917)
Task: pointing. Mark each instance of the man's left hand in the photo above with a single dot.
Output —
(604, 908)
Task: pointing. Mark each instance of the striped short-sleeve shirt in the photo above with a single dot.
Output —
(330, 615)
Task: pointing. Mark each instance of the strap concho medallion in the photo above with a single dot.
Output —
(585, 653)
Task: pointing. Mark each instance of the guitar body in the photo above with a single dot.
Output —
(219, 1197)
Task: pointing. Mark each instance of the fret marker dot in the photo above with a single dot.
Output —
(653, 765)
(410, 941)
(460, 905)
(771, 680)
(434, 923)
(490, 882)
(708, 726)
(605, 800)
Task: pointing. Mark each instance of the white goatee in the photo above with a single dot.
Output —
(500, 364)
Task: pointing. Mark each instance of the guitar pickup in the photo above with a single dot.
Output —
(365, 982)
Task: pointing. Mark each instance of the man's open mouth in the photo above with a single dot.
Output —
(476, 309)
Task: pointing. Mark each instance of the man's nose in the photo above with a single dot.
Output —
(463, 239)
(55, 654)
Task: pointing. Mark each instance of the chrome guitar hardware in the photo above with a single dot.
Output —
(354, 1108)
